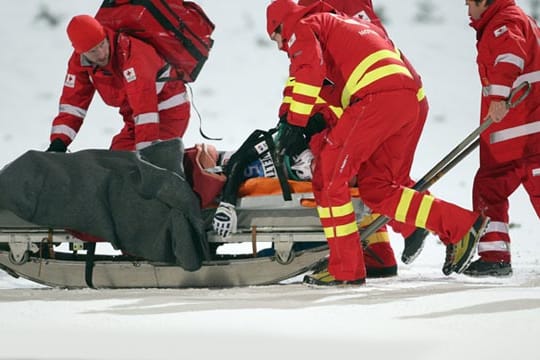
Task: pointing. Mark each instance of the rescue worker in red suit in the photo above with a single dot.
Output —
(367, 141)
(126, 72)
(379, 243)
(508, 54)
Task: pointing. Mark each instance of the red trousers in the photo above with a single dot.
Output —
(493, 185)
(373, 141)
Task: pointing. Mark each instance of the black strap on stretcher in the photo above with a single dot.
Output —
(276, 159)
(89, 267)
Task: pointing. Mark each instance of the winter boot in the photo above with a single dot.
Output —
(378, 254)
(459, 255)
(414, 244)
(482, 267)
(380, 260)
(324, 278)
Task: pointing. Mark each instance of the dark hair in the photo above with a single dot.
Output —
(488, 2)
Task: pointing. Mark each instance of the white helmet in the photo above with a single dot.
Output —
(301, 165)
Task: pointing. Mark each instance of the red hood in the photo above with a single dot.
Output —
(288, 13)
(480, 24)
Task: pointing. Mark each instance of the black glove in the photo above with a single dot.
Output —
(57, 145)
(291, 140)
(316, 124)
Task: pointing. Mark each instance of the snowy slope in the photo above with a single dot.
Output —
(419, 315)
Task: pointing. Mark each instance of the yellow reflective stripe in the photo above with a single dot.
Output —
(290, 82)
(301, 108)
(360, 70)
(287, 100)
(423, 211)
(328, 232)
(378, 74)
(368, 219)
(337, 111)
(378, 237)
(421, 94)
(341, 230)
(320, 100)
(403, 205)
(306, 89)
(335, 211)
(347, 229)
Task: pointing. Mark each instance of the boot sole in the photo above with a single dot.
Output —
(464, 263)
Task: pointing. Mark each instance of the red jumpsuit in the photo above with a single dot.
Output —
(379, 98)
(364, 10)
(152, 110)
(508, 54)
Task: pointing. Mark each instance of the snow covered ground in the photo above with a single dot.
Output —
(419, 315)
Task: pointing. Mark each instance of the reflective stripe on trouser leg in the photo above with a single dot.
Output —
(341, 232)
(380, 236)
(449, 221)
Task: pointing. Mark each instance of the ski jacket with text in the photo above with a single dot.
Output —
(354, 55)
(509, 54)
(130, 82)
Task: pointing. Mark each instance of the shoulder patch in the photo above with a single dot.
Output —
(130, 75)
(498, 32)
(70, 81)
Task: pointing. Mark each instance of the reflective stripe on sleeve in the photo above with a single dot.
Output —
(143, 144)
(496, 90)
(514, 132)
(72, 110)
(146, 118)
(64, 130)
(511, 59)
(173, 101)
(301, 108)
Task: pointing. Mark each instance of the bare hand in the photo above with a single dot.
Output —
(497, 110)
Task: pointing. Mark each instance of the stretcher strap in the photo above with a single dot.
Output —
(276, 159)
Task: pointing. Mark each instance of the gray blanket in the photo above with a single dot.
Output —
(141, 203)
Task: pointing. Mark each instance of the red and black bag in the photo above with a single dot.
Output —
(179, 30)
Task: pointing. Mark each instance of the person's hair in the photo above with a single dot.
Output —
(488, 2)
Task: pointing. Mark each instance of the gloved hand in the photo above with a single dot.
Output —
(57, 145)
(291, 140)
(225, 220)
(315, 125)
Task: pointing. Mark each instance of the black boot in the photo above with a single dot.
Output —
(488, 268)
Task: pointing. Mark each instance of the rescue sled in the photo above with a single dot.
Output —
(285, 238)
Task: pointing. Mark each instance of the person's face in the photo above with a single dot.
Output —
(476, 10)
(99, 55)
(276, 36)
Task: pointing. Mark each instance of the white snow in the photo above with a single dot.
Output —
(421, 314)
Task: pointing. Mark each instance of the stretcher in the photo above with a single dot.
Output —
(284, 239)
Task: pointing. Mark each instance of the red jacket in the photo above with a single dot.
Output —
(360, 8)
(354, 55)
(508, 54)
(127, 82)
